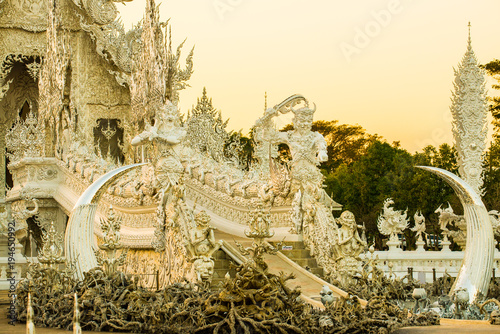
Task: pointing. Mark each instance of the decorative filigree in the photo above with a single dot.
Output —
(111, 236)
(115, 46)
(202, 246)
(25, 139)
(102, 12)
(108, 132)
(4, 229)
(156, 74)
(53, 76)
(31, 63)
(448, 217)
(259, 231)
(392, 222)
(52, 250)
(469, 111)
(206, 131)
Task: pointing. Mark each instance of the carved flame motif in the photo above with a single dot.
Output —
(156, 75)
(52, 251)
(206, 129)
(392, 222)
(111, 235)
(53, 74)
(469, 112)
(25, 139)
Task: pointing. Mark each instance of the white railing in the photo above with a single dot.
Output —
(12, 269)
(425, 265)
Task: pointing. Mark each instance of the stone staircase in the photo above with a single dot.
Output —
(297, 252)
(221, 267)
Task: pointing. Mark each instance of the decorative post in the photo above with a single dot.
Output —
(30, 325)
(469, 112)
(77, 329)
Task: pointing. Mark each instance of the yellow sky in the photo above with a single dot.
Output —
(385, 65)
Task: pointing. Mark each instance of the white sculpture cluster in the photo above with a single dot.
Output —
(194, 159)
(469, 111)
(392, 222)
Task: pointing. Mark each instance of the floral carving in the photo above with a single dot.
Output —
(469, 111)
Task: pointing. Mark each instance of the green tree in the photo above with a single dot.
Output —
(493, 69)
(491, 175)
(388, 171)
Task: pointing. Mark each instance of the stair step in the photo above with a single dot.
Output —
(310, 262)
(297, 252)
(222, 264)
(220, 254)
(318, 271)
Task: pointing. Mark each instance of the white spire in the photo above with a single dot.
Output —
(469, 112)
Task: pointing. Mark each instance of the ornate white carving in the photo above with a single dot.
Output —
(52, 79)
(25, 139)
(111, 236)
(30, 15)
(52, 251)
(392, 222)
(206, 131)
(102, 12)
(448, 217)
(347, 248)
(419, 227)
(469, 111)
(202, 246)
(475, 272)
(156, 74)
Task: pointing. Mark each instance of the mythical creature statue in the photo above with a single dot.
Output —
(308, 150)
(495, 221)
(348, 247)
(202, 246)
(21, 213)
(167, 136)
(111, 234)
(51, 253)
(448, 217)
(419, 227)
(311, 207)
(391, 222)
(259, 231)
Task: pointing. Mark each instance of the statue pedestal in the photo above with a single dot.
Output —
(394, 246)
(420, 245)
(446, 244)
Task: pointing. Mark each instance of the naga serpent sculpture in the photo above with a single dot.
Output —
(79, 237)
(477, 265)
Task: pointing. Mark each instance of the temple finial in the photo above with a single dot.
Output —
(469, 42)
(265, 101)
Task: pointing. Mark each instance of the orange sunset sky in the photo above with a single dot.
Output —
(385, 65)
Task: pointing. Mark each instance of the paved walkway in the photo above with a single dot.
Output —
(447, 326)
(451, 326)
